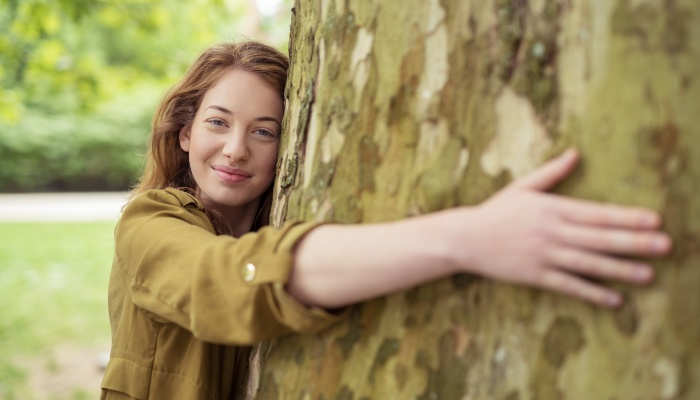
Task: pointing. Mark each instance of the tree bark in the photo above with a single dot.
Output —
(399, 108)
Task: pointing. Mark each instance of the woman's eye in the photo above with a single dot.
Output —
(265, 132)
(216, 122)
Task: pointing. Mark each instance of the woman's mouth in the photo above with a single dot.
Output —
(231, 175)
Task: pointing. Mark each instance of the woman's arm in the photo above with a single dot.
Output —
(521, 235)
(169, 263)
(336, 265)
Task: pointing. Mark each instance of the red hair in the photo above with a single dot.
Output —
(167, 164)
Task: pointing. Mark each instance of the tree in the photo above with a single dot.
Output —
(403, 108)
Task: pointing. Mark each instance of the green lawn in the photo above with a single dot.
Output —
(53, 290)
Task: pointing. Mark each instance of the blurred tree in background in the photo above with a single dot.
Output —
(80, 79)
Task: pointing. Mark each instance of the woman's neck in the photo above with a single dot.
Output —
(239, 219)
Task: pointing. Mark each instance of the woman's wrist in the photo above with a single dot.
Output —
(445, 239)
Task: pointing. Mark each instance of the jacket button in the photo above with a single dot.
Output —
(249, 272)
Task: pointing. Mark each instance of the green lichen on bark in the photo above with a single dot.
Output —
(393, 107)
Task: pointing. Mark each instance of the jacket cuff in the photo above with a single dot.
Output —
(292, 313)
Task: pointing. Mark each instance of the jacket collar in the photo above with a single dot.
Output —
(185, 198)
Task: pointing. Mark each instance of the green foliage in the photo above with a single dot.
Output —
(100, 150)
(80, 79)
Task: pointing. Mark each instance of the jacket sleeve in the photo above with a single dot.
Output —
(223, 289)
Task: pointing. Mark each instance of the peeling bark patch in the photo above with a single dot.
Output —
(530, 47)
(462, 339)
(564, 337)
(435, 69)
(323, 177)
(433, 136)
(305, 113)
(448, 380)
(369, 160)
(499, 366)
(436, 186)
(363, 47)
(520, 141)
(539, 81)
(668, 372)
(269, 390)
(658, 147)
(345, 393)
(410, 321)
(299, 356)
(331, 144)
(311, 147)
(388, 348)
(627, 318)
(436, 14)
(634, 21)
(411, 72)
(675, 38)
(401, 375)
(514, 395)
(461, 163)
(347, 341)
(686, 82)
(511, 28)
(290, 171)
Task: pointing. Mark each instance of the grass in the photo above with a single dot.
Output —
(53, 290)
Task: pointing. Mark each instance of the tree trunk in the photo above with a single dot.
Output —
(399, 108)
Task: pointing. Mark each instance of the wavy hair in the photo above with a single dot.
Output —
(167, 165)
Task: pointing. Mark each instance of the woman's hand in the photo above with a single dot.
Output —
(519, 235)
(523, 235)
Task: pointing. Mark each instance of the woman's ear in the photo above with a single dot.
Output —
(184, 138)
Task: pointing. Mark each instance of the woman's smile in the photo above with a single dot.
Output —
(231, 175)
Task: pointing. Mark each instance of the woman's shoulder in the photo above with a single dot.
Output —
(163, 204)
(168, 196)
(153, 211)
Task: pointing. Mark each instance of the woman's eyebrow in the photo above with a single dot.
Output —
(222, 109)
(269, 119)
(227, 111)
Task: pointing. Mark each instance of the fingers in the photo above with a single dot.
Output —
(599, 266)
(615, 241)
(592, 213)
(562, 282)
(550, 173)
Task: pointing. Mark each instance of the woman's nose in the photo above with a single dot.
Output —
(236, 146)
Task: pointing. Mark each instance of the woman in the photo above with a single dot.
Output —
(197, 278)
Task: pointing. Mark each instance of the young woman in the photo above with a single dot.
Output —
(197, 278)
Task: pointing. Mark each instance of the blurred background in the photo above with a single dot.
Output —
(79, 82)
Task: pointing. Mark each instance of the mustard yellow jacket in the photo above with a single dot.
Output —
(185, 305)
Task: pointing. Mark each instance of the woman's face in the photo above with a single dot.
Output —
(232, 143)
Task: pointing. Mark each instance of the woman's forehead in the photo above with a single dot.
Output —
(244, 92)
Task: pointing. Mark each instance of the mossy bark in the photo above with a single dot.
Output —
(398, 108)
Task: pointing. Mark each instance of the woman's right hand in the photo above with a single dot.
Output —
(524, 235)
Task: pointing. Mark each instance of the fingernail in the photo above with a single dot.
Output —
(643, 274)
(661, 243)
(614, 300)
(651, 219)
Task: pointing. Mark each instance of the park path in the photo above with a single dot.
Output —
(89, 206)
